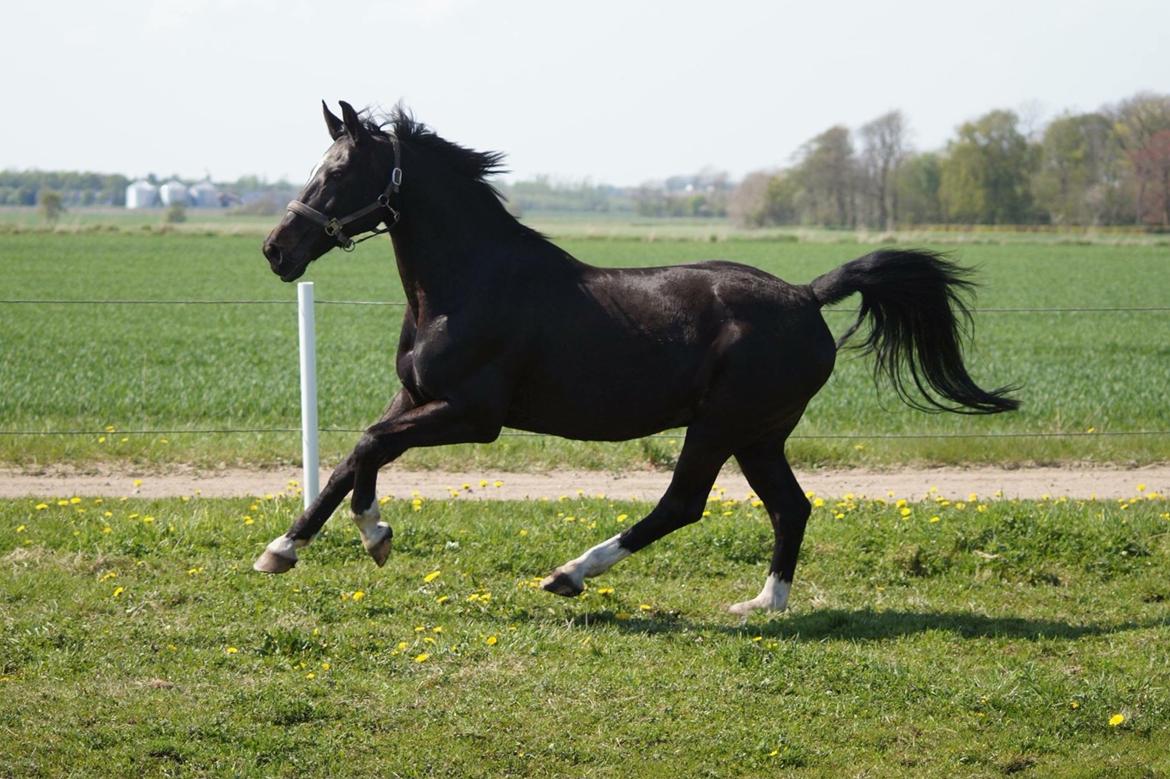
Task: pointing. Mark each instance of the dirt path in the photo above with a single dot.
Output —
(1075, 482)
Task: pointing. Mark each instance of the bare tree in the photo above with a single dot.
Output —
(883, 148)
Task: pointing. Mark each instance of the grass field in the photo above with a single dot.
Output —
(976, 638)
(132, 367)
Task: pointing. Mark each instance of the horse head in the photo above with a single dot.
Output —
(349, 192)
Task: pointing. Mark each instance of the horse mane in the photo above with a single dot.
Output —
(472, 165)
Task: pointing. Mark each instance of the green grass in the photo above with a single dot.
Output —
(995, 640)
(85, 367)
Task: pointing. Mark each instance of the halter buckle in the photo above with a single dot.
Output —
(332, 227)
(396, 177)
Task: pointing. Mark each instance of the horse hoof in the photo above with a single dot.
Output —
(269, 562)
(378, 543)
(561, 584)
(380, 551)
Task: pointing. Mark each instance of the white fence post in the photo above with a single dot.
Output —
(308, 340)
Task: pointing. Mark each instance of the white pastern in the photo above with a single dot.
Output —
(372, 530)
(774, 597)
(596, 561)
(286, 547)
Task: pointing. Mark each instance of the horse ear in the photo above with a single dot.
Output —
(336, 128)
(353, 125)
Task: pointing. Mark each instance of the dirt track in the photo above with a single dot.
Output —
(1075, 482)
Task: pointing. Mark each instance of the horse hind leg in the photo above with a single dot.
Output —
(771, 477)
(682, 504)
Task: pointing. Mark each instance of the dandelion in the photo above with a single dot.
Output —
(137, 483)
(934, 518)
(358, 595)
(118, 591)
(310, 675)
(20, 528)
(325, 666)
(497, 484)
(491, 640)
(108, 575)
(107, 529)
(523, 532)
(905, 512)
(605, 590)
(645, 607)
(622, 517)
(483, 483)
(422, 657)
(430, 577)
(62, 502)
(231, 650)
(401, 646)
(420, 628)
(195, 571)
(1116, 720)
(442, 599)
(1074, 705)
(819, 502)
(248, 519)
(75, 501)
(1141, 488)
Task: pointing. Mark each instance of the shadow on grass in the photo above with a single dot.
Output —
(871, 625)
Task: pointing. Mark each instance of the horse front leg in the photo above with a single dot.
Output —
(281, 554)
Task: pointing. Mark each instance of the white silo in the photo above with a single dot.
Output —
(204, 195)
(141, 194)
(173, 193)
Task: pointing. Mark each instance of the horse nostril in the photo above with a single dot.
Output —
(272, 252)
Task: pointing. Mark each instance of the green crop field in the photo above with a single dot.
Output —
(974, 638)
(181, 368)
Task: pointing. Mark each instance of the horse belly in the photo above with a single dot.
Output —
(615, 401)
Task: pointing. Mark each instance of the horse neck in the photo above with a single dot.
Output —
(447, 251)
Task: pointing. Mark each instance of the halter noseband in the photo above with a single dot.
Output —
(334, 227)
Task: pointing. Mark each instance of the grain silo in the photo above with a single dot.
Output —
(173, 193)
(204, 195)
(141, 194)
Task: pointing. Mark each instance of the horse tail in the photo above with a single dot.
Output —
(915, 302)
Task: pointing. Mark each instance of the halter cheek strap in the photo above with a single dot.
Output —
(335, 228)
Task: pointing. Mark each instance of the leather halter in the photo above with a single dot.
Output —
(335, 228)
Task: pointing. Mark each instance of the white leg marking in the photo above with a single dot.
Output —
(375, 533)
(597, 560)
(774, 597)
(286, 547)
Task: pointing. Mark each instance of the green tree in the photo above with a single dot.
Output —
(883, 147)
(1080, 180)
(827, 177)
(50, 205)
(917, 184)
(986, 173)
(1143, 129)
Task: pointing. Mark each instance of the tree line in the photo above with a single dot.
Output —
(1105, 167)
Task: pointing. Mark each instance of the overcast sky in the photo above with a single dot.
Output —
(619, 92)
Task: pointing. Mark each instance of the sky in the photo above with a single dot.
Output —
(613, 92)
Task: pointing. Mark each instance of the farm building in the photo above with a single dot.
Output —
(141, 194)
(204, 195)
(174, 192)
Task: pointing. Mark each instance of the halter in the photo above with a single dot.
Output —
(334, 227)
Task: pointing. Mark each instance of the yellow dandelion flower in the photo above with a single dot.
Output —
(422, 657)
(442, 599)
(523, 532)
(108, 575)
(818, 502)
(491, 640)
(325, 666)
(248, 519)
(1116, 720)
(138, 482)
(645, 607)
(905, 512)
(437, 629)
(20, 528)
(148, 519)
(118, 591)
(358, 595)
(622, 517)
(41, 506)
(75, 501)
(428, 640)
(107, 529)
(605, 590)
(402, 646)
(310, 675)
(420, 628)
(430, 577)
(1141, 488)
(934, 518)
(1074, 705)
(231, 650)
(497, 484)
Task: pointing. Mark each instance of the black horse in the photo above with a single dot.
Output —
(503, 328)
